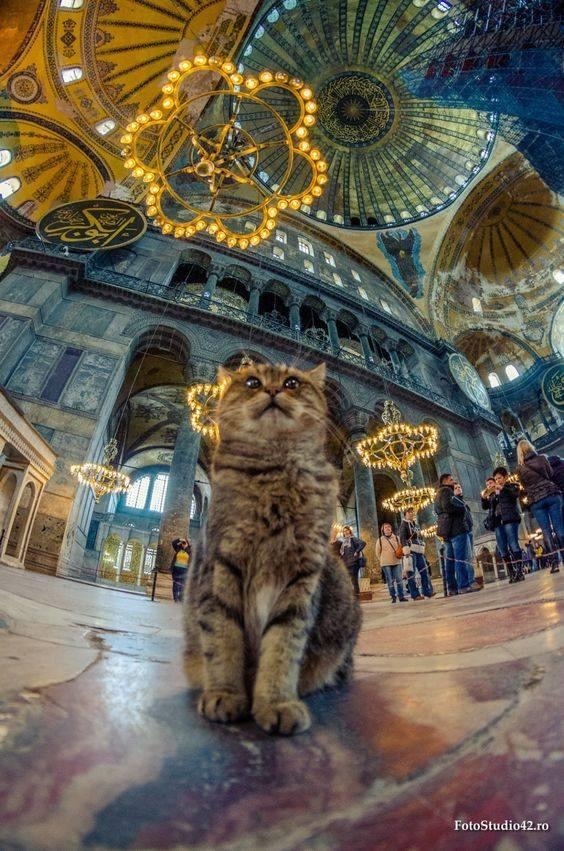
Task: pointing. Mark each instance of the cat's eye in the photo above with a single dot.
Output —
(291, 383)
(252, 382)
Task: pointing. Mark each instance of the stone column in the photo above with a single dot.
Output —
(210, 286)
(333, 333)
(254, 297)
(295, 314)
(365, 343)
(365, 496)
(175, 521)
(395, 360)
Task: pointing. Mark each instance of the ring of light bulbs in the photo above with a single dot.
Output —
(217, 163)
(414, 498)
(398, 445)
(202, 400)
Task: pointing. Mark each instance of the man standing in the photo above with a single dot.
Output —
(453, 528)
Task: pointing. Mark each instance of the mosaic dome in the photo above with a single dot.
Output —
(393, 157)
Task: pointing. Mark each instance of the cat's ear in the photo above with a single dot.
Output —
(318, 373)
(224, 376)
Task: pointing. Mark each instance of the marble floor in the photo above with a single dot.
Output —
(452, 719)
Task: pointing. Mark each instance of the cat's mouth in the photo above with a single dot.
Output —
(274, 406)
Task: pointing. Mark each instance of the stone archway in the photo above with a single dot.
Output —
(17, 534)
(8, 485)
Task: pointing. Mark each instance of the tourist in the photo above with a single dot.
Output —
(389, 553)
(179, 566)
(414, 549)
(452, 527)
(544, 497)
(350, 551)
(505, 517)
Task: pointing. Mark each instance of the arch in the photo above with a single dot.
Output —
(277, 288)
(164, 341)
(17, 534)
(9, 186)
(312, 309)
(8, 485)
(348, 319)
(239, 273)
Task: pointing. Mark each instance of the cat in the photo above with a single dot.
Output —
(271, 614)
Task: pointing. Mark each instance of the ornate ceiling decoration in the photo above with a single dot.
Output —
(499, 258)
(393, 158)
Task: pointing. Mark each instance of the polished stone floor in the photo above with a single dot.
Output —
(455, 713)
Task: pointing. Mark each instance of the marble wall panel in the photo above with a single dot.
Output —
(19, 287)
(31, 373)
(89, 384)
(80, 317)
(10, 329)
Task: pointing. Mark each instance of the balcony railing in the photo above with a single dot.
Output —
(308, 338)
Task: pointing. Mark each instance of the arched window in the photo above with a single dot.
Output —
(308, 266)
(70, 4)
(385, 305)
(281, 236)
(278, 252)
(511, 372)
(329, 259)
(70, 75)
(337, 279)
(159, 493)
(356, 276)
(494, 380)
(5, 157)
(305, 246)
(9, 186)
(136, 496)
(476, 305)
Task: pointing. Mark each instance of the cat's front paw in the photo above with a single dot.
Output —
(287, 718)
(223, 706)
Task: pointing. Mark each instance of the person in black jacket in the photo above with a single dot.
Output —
(179, 566)
(350, 552)
(453, 528)
(506, 516)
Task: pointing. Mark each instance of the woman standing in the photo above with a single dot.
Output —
(351, 549)
(544, 496)
(179, 566)
(504, 515)
(414, 548)
(389, 553)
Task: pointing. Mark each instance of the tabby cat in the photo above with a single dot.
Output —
(270, 612)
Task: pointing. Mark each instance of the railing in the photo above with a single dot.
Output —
(319, 342)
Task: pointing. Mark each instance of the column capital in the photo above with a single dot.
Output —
(356, 423)
(201, 371)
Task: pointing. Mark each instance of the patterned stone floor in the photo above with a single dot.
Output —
(455, 713)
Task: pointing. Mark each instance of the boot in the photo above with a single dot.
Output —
(517, 564)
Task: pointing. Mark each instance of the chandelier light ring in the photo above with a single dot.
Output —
(102, 478)
(398, 445)
(223, 158)
(202, 400)
(414, 498)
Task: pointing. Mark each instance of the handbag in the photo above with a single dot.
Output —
(407, 564)
(361, 562)
(417, 548)
(489, 523)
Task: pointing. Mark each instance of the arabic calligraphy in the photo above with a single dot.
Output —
(553, 386)
(91, 225)
(468, 380)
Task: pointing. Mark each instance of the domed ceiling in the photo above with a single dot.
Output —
(393, 158)
(500, 257)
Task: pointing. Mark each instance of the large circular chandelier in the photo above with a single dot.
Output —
(414, 498)
(202, 400)
(102, 478)
(397, 445)
(225, 153)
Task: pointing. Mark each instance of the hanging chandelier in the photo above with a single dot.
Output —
(397, 445)
(202, 400)
(414, 498)
(102, 478)
(225, 153)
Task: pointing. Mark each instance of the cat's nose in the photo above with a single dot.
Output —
(272, 391)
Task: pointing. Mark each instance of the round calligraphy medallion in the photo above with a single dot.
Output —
(468, 380)
(92, 225)
(553, 386)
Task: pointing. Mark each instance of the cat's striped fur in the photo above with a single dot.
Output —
(270, 612)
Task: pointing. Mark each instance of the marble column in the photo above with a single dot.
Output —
(254, 297)
(295, 315)
(333, 333)
(365, 495)
(366, 350)
(175, 521)
(209, 287)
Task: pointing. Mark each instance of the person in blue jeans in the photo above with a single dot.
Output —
(502, 503)
(453, 528)
(387, 547)
(414, 546)
(544, 497)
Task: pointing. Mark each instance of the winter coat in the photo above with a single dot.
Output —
(385, 550)
(410, 533)
(503, 507)
(536, 477)
(350, 554)
(453, 515)
(557, 466)
(176, 547)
